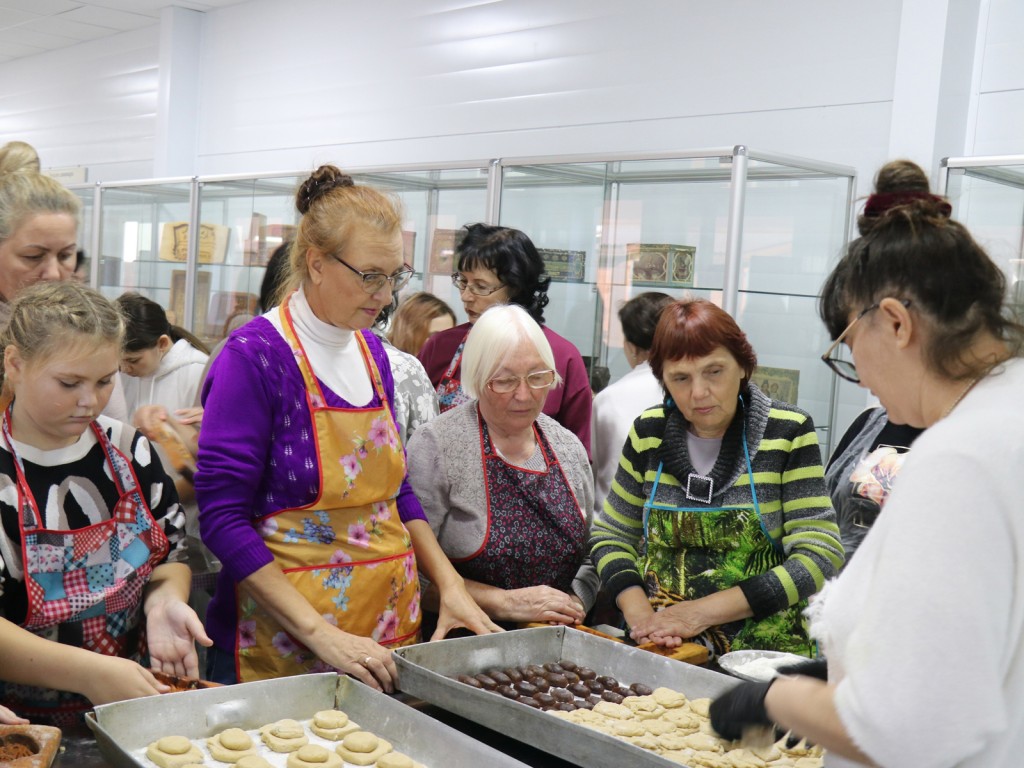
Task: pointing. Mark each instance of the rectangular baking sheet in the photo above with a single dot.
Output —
(128, 726)
(427, 671)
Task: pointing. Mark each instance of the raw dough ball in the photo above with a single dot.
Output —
(332, 724)
(363, 748)
(313, 756)
(284, 736)
(231, 745)
(668, 698)
(173, 752)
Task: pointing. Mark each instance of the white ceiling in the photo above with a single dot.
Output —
(28, 27)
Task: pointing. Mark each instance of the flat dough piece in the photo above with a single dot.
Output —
(231, 745)
(700, 706)
(362, 748)
(668, 698)
(397, 760)
(332, 724)
(615, 711)
(313, 756)
(173, 752)
(284, 735)
(253, 761)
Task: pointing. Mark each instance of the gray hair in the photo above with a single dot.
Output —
(494, 337)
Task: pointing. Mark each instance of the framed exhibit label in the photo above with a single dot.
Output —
(778, 383)
(661, 265)
(564, 266)
(442, 250)
(213, 242)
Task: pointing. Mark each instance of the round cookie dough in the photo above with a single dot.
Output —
(231, 745)
(332, 724)
(284, 736)
(313, 756)
(173, 752)
(668, 698)
(362, 748)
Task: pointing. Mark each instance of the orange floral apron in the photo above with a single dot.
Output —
(347, 552)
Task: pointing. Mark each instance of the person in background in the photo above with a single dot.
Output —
(507, 490)
(717, 527)
(418, 318)
(500, 265)
(617, 406)
(415, 402)
(922, 311)
(38, 237)
(870, 454)
(91, 532)
(301, 478)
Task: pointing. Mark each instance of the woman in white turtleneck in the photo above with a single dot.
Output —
(301, 479)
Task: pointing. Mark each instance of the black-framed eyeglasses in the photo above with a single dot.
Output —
(374, 281)
(502, 385)
(477, 290)
(845, 369)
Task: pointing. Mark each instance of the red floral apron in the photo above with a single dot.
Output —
(347, 552)
(88, 582)
(536, 533)
(449, 390)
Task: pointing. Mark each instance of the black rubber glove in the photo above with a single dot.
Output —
(817, 668)
(740, 708)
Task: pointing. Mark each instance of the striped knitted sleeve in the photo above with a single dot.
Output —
(618, 528)
(805, 521)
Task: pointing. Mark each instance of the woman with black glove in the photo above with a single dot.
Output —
(920, 309)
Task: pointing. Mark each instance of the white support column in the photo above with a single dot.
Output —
(177, 125)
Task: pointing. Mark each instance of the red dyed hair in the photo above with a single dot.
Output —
(691, 329)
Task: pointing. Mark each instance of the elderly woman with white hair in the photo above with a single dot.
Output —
(506, 489)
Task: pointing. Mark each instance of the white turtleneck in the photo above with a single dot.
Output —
(333, 352)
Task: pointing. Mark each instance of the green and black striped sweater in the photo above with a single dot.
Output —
(788, 477)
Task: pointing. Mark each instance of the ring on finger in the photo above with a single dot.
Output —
(367, 660)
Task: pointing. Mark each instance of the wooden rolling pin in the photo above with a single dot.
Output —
(691, 653)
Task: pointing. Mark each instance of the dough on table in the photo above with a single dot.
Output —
(253, 761)
(397, 760)
(231, 745)
(668, 698)
(362, 748)
(700, 706)
(313, 756)
(332, 724)
(174, 752)
(284, 735)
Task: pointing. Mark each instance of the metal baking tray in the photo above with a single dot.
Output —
(426, 671)
(127, 726)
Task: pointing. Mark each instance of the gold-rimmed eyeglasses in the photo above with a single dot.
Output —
(374, 281)
(477, 290)
(503, 385)
(845, 369)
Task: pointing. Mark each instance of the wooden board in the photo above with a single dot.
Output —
(691, 653)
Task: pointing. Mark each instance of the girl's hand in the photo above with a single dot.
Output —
(173, 629)
(9, 718)
(111, 678)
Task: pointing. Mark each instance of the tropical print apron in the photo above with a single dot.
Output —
(536, 533)
(347, 552)
(449, 389)
(693, 551)
(87, 583)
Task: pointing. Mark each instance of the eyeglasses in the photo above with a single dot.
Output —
(536, 380)
(374, 281)
(477, 290)
(844, 369)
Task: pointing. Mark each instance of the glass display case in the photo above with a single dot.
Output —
(88, 194)
(987, 195)
(753, 232)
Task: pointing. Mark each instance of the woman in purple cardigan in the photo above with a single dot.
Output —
(501, 265)
(301, 477)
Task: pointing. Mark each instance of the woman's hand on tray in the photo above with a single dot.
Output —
(543, 604)
(356, 656)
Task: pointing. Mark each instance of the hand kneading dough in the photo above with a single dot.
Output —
(362, 748)
(231, 745)
(253, 761)
(332, 724)
(313, 756)
(284, 736)
(173, 752)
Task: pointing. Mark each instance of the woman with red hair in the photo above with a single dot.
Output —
(718, 512)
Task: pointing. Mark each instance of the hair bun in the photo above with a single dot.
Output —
(321, 181)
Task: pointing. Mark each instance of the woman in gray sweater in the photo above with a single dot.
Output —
(506, 489)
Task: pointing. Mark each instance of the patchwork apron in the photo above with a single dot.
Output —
(85, 584)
